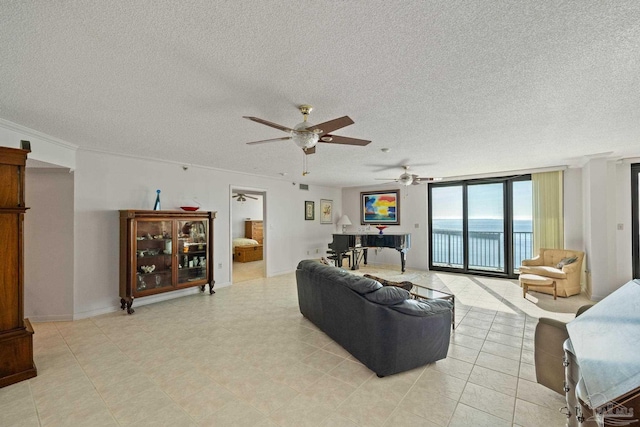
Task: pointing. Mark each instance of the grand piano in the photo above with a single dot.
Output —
(357, 244)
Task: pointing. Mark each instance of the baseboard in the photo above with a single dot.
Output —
(51, 318)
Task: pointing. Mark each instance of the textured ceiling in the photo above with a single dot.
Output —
(460, 87)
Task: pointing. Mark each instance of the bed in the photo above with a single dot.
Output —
(246, 250)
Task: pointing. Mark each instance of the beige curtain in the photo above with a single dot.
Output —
(548, 223)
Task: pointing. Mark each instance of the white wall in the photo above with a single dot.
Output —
(241, 211)
(413, 212)
(107, 183)
(48, 245)
(44, 148)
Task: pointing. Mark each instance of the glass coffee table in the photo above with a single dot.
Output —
(422, 292)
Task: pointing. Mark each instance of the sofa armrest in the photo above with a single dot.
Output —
(533, 261)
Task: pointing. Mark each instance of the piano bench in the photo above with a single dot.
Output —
(333, 256)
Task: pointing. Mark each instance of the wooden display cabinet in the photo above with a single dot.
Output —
(163, 251)
(16, 333)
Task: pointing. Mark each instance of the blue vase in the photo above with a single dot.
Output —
(156, 207)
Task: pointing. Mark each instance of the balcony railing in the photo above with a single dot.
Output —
(486, 249)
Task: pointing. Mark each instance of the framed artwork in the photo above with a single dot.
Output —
(309, 210)
(380, 207)
(326, 211)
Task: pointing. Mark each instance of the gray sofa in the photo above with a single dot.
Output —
(379, 325)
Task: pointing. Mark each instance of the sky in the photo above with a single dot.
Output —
(484, 200)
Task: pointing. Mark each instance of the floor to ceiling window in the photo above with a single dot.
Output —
(635, 218)
(480, 226)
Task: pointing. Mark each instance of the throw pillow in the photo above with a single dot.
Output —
(388, 295)
(566, 261)
(404, 285)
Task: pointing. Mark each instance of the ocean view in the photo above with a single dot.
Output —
(486, 243)
(519, 225)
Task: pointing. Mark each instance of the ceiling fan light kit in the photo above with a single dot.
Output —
(407, 179)
(306, 135)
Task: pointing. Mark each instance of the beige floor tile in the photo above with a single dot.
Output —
(14, 392)
(490, 401)
(269, 396)
(352, 373)
(236, 413)
(494, 380)
(531, 415)
(454, 367)
(336, 420)
(17, 410)
(439, 383)
(498, 363)
(401, 418)
(328, 391)
(471, 331)
(467, 341)
(366, 409)
(501, 350)
(435, 408)
(465, 416)
(465, 354)
(302, 413)
(322, 360)
(206, 401)
(540, 395)
(164, 363)
(505, 339)
(527, 372)
(296, 375)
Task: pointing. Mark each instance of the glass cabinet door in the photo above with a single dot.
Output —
(192, 249)
(154, 247)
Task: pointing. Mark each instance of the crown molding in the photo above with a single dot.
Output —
(34, 133)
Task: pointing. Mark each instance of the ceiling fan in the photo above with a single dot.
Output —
(241, 197)
(410, 179)
(306, 135)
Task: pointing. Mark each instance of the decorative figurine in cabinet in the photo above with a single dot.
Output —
(163, 251)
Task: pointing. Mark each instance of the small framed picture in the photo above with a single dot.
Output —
(309, 210)
(326, 211)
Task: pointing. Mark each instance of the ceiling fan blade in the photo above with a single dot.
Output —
(333, 125)
(268, 123)
(386, 179)
(269, 140)
(336, 139)
(250, 197)
(309, 150)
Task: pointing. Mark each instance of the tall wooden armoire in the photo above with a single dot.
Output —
(16, 333)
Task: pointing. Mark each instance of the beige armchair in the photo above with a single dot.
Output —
(545, 264)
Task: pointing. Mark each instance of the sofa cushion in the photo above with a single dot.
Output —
(361, 285)
(543, 270)
(388, 295)
(422, 308)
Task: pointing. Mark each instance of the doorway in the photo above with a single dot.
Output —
(248, 254)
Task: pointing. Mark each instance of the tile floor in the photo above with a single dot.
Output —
(246, 357)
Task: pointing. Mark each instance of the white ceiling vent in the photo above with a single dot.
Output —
(304, 187)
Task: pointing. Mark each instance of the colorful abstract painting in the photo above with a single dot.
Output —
(380, 207)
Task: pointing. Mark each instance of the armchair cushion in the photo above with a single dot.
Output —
(544, 271)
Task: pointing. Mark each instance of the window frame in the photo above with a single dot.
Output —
(507, 196)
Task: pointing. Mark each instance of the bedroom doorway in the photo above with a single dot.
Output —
(247, 207)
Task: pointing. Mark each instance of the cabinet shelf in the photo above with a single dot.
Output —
(186, 230)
